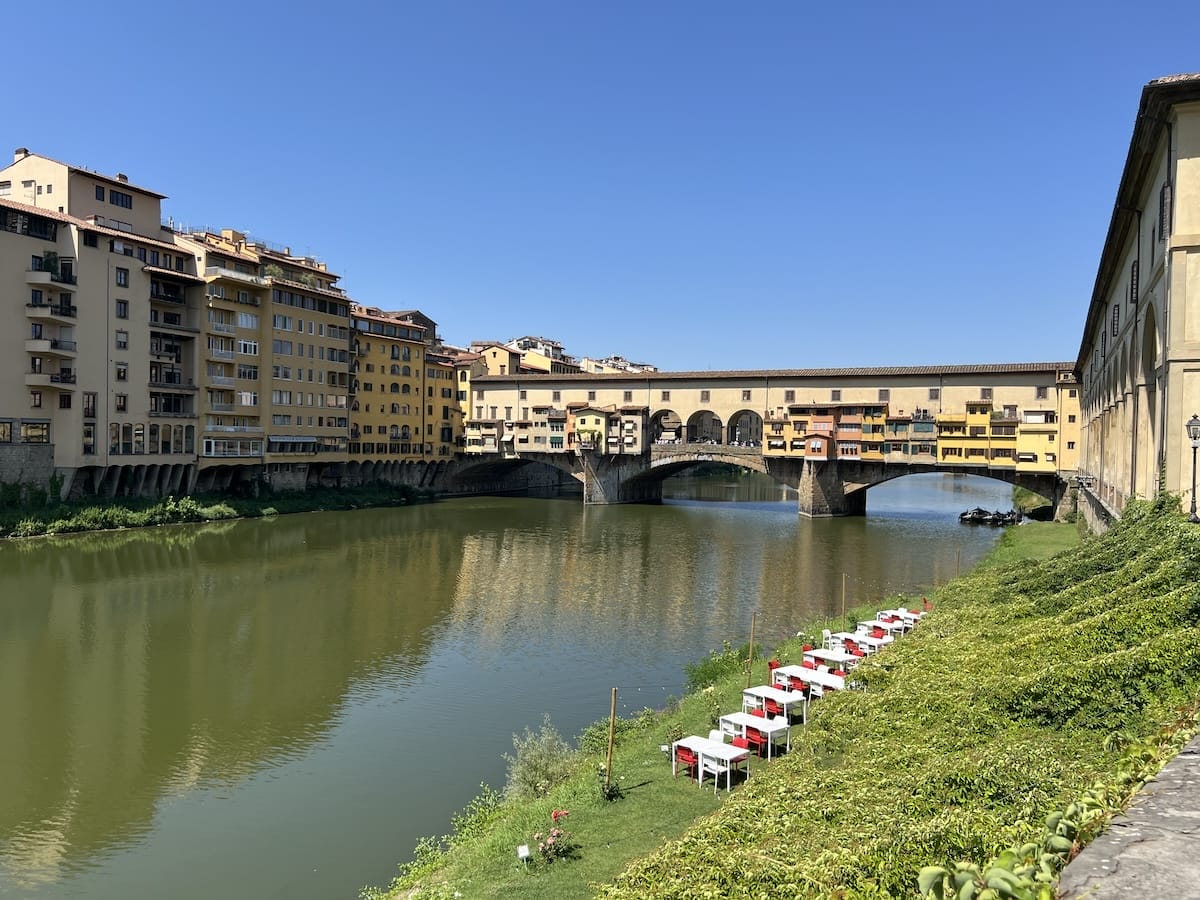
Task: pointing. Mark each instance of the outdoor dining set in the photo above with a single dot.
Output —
(769, 710)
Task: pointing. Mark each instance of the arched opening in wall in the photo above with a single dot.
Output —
(745, 429)
(1147, 425)
(666, 427)
(704, 427)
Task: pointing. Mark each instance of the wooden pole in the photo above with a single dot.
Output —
(843, 600)
(957, 560)
(750, 660)
(612, 732)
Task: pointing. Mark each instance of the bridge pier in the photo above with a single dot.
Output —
(614, 479)
(823, 493)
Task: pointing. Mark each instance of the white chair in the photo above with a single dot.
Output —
(717, 769)
(717, 735)
(827, 637)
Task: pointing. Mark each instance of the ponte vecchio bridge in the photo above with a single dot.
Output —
(829, 433)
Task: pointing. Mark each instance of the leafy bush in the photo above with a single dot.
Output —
(717, 665)
(543, 759)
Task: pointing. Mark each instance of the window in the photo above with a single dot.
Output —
(250, 348)
(666, 396)
(935, 393)
(884, 395)
(745, 396)
(1071, 419)
(1042, 393)
(35, 399)
(121, 402)
(985, 393)
(89, 239)
(89, 405)
(556, 396)
(591, 396)
(835, 395)
(122, 309)
(122, 371)
(1073, 393)
(99, 192)
(122, 340)
(64, 400)
(117, 198)
(122, 277)
(789, 396)
(704, 396)
(627, 396)
(35, 432)
(1070, 445)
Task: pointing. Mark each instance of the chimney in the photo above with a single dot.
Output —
(123, 178)
(20, 153)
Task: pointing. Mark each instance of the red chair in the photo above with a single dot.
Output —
(808, 664)
(839, 673)
(852, 647)
(773, 664)
(772, 708)
(745, 745)
(925, 604)
(858, 653)
(761, 713)
(806, 648)
(686, 759)
(756, 738)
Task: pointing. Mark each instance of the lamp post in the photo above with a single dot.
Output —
(1193, 430)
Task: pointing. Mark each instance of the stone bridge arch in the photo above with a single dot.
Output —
(745, 427)
(704, 427)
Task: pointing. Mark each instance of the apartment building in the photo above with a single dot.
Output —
(387, 413)
(99, 367)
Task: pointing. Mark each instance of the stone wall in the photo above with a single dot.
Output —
(31, 464)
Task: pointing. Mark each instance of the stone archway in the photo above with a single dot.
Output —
(705, 427)
(666, 427)
(745, 429)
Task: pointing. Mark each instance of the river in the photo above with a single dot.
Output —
(281, 708)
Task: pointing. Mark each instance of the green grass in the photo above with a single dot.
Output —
(889, 766)
(1032, 541)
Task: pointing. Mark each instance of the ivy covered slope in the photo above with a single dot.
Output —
(1008, 702)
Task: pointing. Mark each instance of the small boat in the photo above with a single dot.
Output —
(981, 516)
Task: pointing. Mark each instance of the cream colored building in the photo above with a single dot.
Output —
(100, 359)
(1139, 359)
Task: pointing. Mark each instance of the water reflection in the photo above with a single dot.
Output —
(260, 688)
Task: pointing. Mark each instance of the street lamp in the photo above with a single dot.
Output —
(1193, 430)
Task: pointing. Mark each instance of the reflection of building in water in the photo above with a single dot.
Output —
(136, 665)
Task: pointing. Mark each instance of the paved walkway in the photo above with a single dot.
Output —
(1153, 849)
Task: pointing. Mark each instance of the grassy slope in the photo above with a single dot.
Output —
(993, 713)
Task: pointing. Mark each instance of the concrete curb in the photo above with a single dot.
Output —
(1153, 849)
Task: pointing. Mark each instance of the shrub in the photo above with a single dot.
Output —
(716, 666)
(543, 760)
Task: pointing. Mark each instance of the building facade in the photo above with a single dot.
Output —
(1139, 359)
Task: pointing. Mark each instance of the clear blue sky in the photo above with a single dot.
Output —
(699, 185)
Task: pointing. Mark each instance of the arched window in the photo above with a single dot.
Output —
(139, 438)
(406, 371)
(396, 388)
(395, 409)
(153, 439)
(407, 389)
(189, 439)
(178, 439)
(114, 438)
(395, 369)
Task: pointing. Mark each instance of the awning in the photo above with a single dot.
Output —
(508, 437)
(292, 439)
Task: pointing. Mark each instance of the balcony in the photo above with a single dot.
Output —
(50, 347)
(60, 381)
(221, 407)
(222, 327)
(165, 297)
(221, 272)
(47, 312)
(172, 414)
(173, 321)
(220, 380)
(246, 429)
(172, 384)
(214, 353)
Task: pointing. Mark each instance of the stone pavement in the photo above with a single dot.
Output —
(1153, 849)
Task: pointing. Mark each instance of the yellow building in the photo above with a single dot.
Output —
(388, 415)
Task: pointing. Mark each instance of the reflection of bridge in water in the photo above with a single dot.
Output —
(829, 433)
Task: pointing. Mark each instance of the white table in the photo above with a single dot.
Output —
(727, 754)
(831, 657)
(737, 723)
(892, 628)
(752, 698)
(812, 676)
(908, 615)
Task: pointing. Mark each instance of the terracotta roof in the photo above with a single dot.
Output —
(38, 210)
(97, 175)
(864, 372)
(158, 270)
